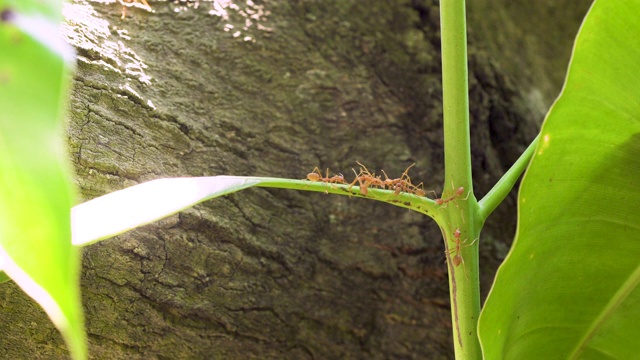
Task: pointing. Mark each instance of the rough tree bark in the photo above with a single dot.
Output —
(271, 88)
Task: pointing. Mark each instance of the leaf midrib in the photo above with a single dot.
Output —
(614, 303)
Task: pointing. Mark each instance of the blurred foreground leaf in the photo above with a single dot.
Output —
(35, 188)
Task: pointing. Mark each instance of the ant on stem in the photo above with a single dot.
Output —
(457, 259)
(400, 184)
(403, 184)
(389, 182)
(366, 179)
(457, 193)
(316, 175)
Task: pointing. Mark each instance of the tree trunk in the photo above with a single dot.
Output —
(270, 88)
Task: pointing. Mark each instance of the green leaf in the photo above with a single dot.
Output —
(123, 210)
(569, 287)
(35, 188)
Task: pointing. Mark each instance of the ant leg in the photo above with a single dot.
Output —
(356, 179)
(406, 173)
(470, 244)
(366, 171)
(418, 190)
(326, 180)
(464, 268)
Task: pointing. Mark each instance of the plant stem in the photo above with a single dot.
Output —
(455, 92)
(461, 215)
(502, 188)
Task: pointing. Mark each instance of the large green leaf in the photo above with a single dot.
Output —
(35, 188)
(569, 287)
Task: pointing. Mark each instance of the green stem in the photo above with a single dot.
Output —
(455, 92)
(502, 188)
(461, 215)
(420, 204)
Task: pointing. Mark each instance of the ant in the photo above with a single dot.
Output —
(457, 192)
(127, 3)
(316, 175)
(404, 184)
(404, 175)
(419, 191)
(366, 179)
(457, 259)
(400, 184)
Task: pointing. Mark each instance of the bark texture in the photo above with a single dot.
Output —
(275, 88)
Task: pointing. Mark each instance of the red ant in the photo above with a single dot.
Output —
(457, 259)
(404, 184)
(400, 184)
(388, 182)
(365, 179)
(316, 175)
(458, 192)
